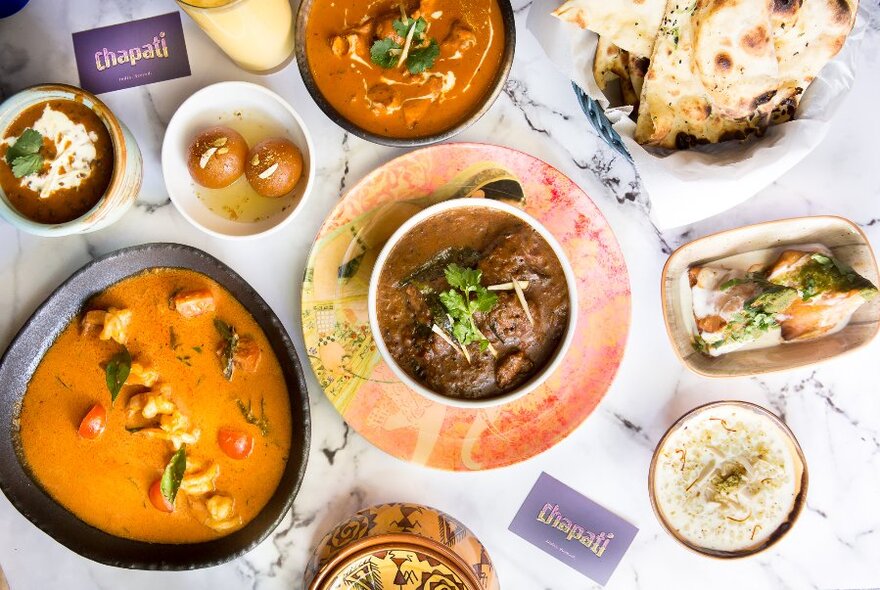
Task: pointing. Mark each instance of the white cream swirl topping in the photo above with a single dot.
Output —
(74, 158)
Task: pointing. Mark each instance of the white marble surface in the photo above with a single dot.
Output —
(834, 408)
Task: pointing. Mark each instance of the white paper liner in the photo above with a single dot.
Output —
(688, 185)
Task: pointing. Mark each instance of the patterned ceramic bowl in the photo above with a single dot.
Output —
(400, 546)
(125, 183)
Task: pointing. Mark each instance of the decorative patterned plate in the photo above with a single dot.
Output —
(362, 387)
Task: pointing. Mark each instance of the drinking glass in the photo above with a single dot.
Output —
(256, 34)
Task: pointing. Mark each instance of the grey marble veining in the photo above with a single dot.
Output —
(834, 408)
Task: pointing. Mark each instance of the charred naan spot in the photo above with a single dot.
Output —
(734, 134)
(842, 11)
(685, 141)
(640, 65)
(786, 110)
(723, 62)
(786, 7)
(756, 40)
(763, 98)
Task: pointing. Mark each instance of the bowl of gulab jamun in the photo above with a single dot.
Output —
(237, 160)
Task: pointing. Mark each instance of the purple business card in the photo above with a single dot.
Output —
(131, 54)
(572, 528)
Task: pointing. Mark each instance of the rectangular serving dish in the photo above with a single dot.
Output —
(847, 242)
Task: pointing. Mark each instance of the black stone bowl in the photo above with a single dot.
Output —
(25, 353)
(302, 60)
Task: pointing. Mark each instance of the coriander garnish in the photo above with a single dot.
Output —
(418, 51)
(24, 155)
(466, 297)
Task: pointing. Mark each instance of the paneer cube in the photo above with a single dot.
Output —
(190, 304)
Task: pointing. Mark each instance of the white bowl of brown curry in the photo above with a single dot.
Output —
(67, 164)
(405, 73)
(472, 303)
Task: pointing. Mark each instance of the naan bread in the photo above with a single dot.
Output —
(713, 75)
(630, 24)
(734, 55)
(718, 69)
(638, 69)
(807, 34)
(611, 64)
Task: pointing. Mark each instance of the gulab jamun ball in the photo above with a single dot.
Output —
(217, 156)
(274, 166)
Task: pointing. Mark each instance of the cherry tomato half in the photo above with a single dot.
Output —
(235, 443)
(93, 423)
(157, 499)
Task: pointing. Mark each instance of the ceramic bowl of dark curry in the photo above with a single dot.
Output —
(472, 303)
(407, 74)
(80, 171)
(30, 353)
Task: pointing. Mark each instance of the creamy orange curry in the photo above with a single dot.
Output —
(160, 413)
(401, 68)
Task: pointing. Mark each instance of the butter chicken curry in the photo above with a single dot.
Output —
(160, 413)
(401, 68)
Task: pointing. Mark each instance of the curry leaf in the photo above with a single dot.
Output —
(227, 347)
(116, 372)
(247, 413)
(434, 267)
(173, 475)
